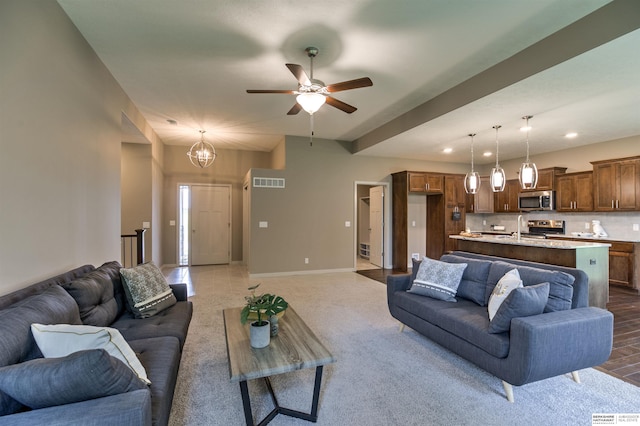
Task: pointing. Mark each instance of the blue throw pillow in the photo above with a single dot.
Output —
(439, 280)
(521, 302)
(474, 278)
(83, 375)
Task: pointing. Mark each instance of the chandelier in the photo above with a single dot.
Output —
(472, 179)
(528, 175)
(202, 153)
(498, 178)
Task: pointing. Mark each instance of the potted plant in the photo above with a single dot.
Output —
(262, 306)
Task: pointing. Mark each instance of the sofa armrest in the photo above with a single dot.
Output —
(400, 282)
(129, 408)
(559, 342)
(179, 291)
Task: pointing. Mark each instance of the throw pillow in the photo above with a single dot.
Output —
(507, 283)
(521, 302)
(474, 279)
(83, 375)
(60, 340)
(147, 290)
(439, 280)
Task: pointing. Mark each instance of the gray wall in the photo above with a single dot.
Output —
(307, 218)
(60, 144)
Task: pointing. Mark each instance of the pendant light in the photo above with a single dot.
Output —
(498, 178)
(528, 175)
(472, 179)
(202, 154)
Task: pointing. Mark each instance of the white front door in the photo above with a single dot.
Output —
(376, 225)
(210, 225)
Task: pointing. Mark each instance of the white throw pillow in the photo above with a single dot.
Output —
(510, 281)
(60, 340)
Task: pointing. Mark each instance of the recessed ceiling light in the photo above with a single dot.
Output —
(487, 154)
(447, 150)
(571, 135)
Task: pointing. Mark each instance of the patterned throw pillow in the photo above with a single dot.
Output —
(510, 281)
(439, 280)
(147, 290)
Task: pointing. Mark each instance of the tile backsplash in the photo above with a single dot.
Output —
(618, 225)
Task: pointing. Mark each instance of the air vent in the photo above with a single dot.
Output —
(259, 182)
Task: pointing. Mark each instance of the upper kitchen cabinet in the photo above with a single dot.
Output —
(507, 200)
(482, 201)
(547, 179)
(428, 183)
(574, 192)
(616, 184)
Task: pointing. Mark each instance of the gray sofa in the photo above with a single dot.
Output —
(568, 336)
(95, 296)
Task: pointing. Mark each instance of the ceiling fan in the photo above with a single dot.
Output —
(312, 93)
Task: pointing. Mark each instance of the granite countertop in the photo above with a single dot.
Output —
(532, 242)
(599, 239)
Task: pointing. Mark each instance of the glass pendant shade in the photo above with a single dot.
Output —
(472, 182)
(311, 102)
(472, 179)
(202, 154)
(528, 175)
(497, 177)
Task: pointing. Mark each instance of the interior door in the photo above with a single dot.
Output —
(376, 225)
(210, 225)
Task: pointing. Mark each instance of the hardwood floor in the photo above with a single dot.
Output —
(624, 362)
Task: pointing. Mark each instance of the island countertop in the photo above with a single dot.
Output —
(531, 242)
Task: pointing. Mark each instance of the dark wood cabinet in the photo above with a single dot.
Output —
(482, 201)
(616, 184)
(507, 200)
(546, 179)
(454, 214)
(429, 183)
(574, 192)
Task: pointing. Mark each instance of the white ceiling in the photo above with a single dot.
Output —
(192, 60)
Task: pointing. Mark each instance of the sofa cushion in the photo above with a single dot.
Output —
(509, 282)
(146, 289)
(439, 280)
(60, 340)
(95, 298)
(53, 304)
(474, 278)
(80, 376)
(465, 319)
(521, 302)
(560, 283)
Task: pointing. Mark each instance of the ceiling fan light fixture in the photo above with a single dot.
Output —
(311, 102)
(202, 154)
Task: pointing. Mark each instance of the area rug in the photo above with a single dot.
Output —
(381, 377)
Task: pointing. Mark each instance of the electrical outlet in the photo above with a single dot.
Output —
(306, 260)
(484, 223)
(636, 227)
(587, 225)
(415, 256)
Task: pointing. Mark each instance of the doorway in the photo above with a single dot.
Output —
(371, 239)
(204, 213)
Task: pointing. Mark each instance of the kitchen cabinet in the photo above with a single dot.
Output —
(429, 183)
(482, 201)
(574, 192)
(507, 200)
(454, 216)
(546, 179)
(616, 184)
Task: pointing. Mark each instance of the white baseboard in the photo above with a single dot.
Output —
(318, 271)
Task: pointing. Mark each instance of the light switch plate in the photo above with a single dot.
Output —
(146, 225)
(172, 223)
(347, 224)
(263, 224)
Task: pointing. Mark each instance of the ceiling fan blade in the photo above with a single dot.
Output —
(351, 84)
(300, 74)
(340, 105)
(296, 108)
(290, 92)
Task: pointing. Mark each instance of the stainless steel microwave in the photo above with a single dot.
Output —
(537, 200)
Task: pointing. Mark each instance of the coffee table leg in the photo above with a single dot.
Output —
(246, 403)
(316, 393)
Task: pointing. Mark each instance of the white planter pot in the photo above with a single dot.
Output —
(260, 335)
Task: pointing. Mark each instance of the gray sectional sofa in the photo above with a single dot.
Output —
(95, 296)
(568, 336)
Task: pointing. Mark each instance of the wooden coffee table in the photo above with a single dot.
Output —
(294, 348)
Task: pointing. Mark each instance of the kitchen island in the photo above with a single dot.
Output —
(591, 257)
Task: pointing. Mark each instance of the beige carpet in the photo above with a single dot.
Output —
(381, 377)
